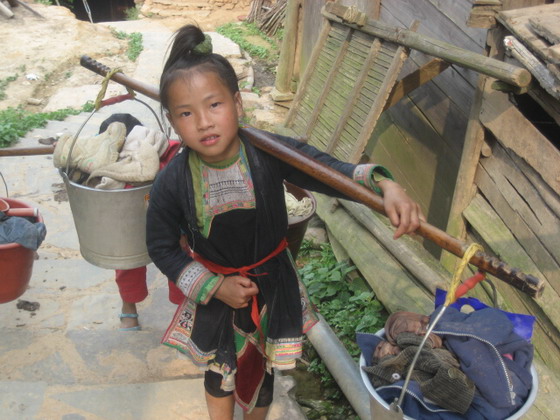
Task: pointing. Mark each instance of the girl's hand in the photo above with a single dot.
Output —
(404, 213)
(236, 291)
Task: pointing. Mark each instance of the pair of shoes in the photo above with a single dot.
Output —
(136, 328)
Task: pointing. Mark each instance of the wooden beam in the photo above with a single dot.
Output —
(408, 251)
(378, 266)
(416, 79)
(495, 68)
(464, 185)
(514, 131)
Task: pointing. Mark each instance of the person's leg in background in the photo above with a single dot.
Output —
(133, 289)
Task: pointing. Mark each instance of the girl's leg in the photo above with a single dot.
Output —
(258, 413)
(129, 321)
(220, 408)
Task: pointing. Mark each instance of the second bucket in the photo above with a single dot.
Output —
(111, 224)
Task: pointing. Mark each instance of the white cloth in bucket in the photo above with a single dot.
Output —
(138, 161)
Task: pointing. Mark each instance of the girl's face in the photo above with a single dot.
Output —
(205, 114)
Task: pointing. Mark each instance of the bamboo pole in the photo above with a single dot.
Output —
(506, 72)
(27, 151)
(269, 144)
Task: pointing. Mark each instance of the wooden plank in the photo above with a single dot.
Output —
(408, 251)
(491, 186)
(514, 131)
(547, 26)
(416, 79)
(483, 16)
(463, 190)
(517, 21)
(414, 156)
(496, 234)
(522, 197)
(546, 194)
(438, 19)
(377, 266)
(543, 73)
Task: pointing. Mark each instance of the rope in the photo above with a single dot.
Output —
(456, 280)
(104, 85)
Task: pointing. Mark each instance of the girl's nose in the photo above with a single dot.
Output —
(204, 121)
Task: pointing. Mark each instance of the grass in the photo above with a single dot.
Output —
(135, 43)
(348, 307)
(251, 39)
(16, 122)
(4, 84)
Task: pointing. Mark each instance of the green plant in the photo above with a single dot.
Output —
(132, 13)
(246, 36)
(347, 306)
(4, 84)
(45, 2)
(15, 122)
(135, 43)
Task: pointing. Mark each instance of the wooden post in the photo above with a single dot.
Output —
(5, 10)
(282, 91)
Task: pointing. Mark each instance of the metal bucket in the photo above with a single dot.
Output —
(298, 225)
(380, 409)
(111, 224)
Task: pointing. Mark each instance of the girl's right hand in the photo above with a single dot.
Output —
(236, 291)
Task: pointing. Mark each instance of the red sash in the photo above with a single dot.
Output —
(244, 271)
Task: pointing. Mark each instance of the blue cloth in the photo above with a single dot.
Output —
(479, 340)
(22, 231)
(522, 323)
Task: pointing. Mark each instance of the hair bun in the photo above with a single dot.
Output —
(205, 47)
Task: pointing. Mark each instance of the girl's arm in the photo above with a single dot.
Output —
(163, 239)
(403, 212)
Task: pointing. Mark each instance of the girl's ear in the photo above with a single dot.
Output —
(238, 103)
(168, 115)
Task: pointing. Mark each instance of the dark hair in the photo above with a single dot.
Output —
(128, 120)
(182, 60)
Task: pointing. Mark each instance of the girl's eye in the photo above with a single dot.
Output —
(215, 104)
(185, 114)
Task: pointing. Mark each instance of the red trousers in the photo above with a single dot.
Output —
(133, 288)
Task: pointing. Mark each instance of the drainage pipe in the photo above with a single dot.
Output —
(342, 367)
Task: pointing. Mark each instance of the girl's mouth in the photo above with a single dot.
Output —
(210, 140)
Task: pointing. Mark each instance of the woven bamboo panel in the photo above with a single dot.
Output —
(344, 89)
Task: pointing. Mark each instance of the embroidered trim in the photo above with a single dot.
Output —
(179, 333)
(366, 176)
(226, 189)
(198, 283)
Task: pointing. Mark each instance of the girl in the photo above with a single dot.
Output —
(216, 226)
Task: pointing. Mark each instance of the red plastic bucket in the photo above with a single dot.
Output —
(16, 261)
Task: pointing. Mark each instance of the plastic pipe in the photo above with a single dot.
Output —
(342, 367)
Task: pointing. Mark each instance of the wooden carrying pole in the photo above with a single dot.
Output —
(266, 142)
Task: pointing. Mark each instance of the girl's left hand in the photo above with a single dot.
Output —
(403, 212)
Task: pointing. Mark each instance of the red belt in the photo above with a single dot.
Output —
(244, 271)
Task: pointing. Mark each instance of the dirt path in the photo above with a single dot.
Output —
(41, 56)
